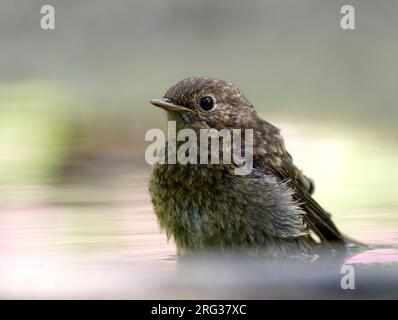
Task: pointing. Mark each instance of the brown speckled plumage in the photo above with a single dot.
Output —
(270, 210)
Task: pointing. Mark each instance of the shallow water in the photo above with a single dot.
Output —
(101, 240)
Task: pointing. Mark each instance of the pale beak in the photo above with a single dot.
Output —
(168, 106)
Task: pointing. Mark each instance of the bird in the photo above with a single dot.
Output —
(208, 208)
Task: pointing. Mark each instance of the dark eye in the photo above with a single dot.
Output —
(207, 103)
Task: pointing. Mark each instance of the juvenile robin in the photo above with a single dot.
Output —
(269, 211)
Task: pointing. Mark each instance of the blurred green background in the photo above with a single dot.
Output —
(74, 109)
(81, 92)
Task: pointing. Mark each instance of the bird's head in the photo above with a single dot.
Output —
(205, 103)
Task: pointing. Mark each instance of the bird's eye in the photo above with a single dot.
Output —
(207, 103)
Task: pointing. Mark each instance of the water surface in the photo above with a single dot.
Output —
(102, 240)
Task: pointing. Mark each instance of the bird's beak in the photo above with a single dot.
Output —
(168, 106)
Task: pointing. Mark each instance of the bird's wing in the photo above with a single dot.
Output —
(318, 220)
(270, 155)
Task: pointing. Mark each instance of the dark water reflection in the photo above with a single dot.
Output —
(102, 240)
